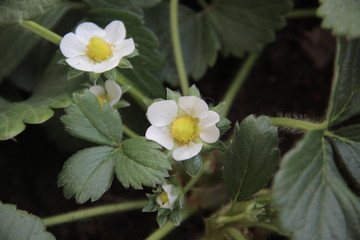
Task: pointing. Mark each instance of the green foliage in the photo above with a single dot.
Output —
(20, 225)
(16, 44)
(88, 173)
(87, 119)
(347, 143)
(127, 5)
(140, 162)
(345, 96)
(54, 91)
(251, 158)
(192, 165)
(14, 11)
(342, 16)
(314, 201)
(232, 26)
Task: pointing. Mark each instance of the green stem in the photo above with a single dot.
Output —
(222, 220)
(238, 82)
(175, 37)
(235, 234)
(92, 212)
(129, 132)
(168, 227)
(297, 124)
(193, 180)
(41, 31)
(301, 13)
(140, 98)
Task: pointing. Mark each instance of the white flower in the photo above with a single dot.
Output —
(166, 199)
(93, 49)
(182, 126)
(111, 94)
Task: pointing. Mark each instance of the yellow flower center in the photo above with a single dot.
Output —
(185, 129)
(102, 99)
(163, 197)
(98, 50)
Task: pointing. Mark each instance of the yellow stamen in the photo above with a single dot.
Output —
(98, 50)
(185, 129)
(163, 198)
(102, 99)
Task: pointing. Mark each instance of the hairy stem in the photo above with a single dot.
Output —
(41, 31)
(238, 82)
(175, 37)
(92, 212)
(168, 227)
(138, 96)
(301, 13)
(297, 124)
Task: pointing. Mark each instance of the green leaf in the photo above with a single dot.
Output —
(20, 225)
(342, 16)
(15, 44)
(54, 91)
(14, 11)
(232, 26)
(345, 95)
(347, 143)
(141, 163)
(251, 158)
(73, 73)
(192, 165)
(313, 200)
(86, 119)
(88, 174)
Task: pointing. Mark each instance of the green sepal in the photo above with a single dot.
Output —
(172, 95)
(214, 146)
(133, 54)
(194, 91)
(124, 63)
(93, 77)
(121, 104)
(223, 125)
(111, 75)
(192, 165)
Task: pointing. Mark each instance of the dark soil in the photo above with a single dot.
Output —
(291, 78)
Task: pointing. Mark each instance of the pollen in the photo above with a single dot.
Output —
(163, 197)
(185, 129)
(98, 50)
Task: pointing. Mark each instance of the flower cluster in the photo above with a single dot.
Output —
(93, 49)
(182, 126)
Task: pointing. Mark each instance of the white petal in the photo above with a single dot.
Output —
(161, 135)
(187, 151)
(113, 90)
(97, 90)
(87, 30)
(162, 113)
(211, 119)
(82, 63)
(167, 188)
(210, 134)
(70, 46)
(105, 65)
(194, 106)
(124, 48)
(115, 32)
